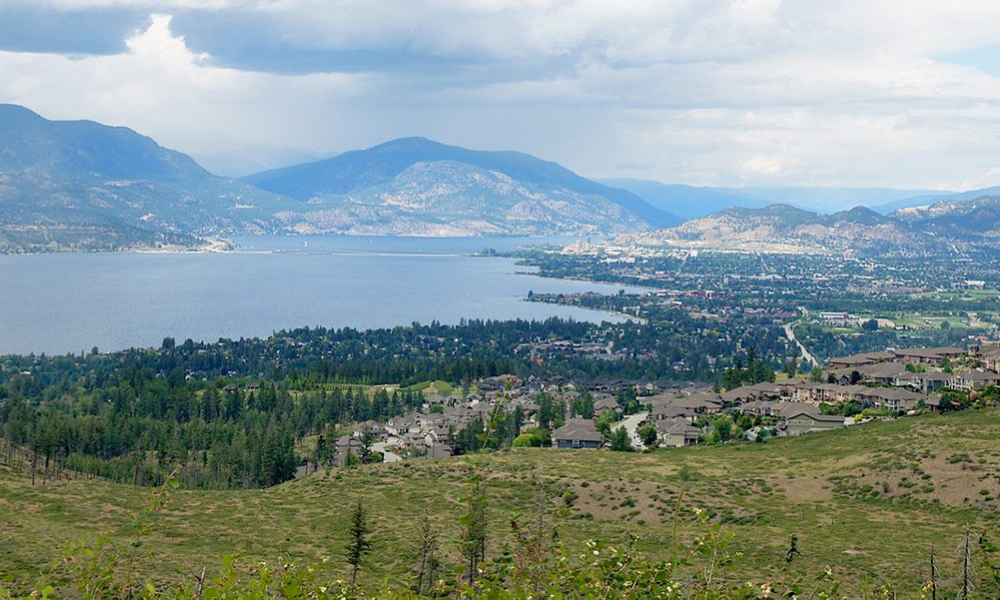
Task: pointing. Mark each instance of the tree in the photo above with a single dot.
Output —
(536, 437)
(474, 530)
(429, 563)
(869, 325)
(791, 368)
(648, 434)
(620, 440)
(361, 544)
(723, 428)
(367, 441)
(604, 423)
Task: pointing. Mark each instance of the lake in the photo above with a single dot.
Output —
(59, 303)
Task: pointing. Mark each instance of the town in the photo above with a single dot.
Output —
(587, 414)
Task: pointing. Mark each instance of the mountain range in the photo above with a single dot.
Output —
(690, 202)
(952, 226)
(416, 186)
(81, 185)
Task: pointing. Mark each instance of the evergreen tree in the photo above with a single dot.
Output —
(360, 544)
(620, 440)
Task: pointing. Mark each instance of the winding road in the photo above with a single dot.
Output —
(631, 424)
(791, 337)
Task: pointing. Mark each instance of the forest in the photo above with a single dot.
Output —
(233, 411)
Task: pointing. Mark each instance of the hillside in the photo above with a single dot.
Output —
(969, 226)
(957, 218)
(868, 501)
(785, 228)
(417, 186)
(692, 202)
(928, 198)
(83, 185)
(685, 201)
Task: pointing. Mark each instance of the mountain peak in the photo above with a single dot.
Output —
(859, 214)
(379, 169)
(17, 115)
(416, 141)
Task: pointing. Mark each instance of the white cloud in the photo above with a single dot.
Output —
(159, 44)
(746, 91)
(163, 89)
(761, 165)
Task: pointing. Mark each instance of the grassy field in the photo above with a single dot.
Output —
(867, 501)
(432, 387)
(961, 295)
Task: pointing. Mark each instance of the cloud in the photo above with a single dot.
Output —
(847, 92)
(761, 165)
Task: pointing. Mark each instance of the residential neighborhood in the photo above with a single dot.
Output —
(582, 415)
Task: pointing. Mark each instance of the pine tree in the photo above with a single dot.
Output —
(475, 526)
(428, 561)
(360, 544)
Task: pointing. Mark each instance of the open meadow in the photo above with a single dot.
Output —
(868, 501)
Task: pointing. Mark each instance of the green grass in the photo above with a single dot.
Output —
(962, 295)
(867, 501)
(431, 387)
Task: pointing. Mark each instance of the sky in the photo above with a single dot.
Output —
(729, 93)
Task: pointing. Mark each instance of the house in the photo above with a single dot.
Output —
(974, 380)
(892, 373)
(859, 360)
(704, 403)
(662, 412)
(931, 382)
(763, 408)
(890, 399)
(439, 451)
(496, 384)
(677, 433)
(804, 418)
(928, 355)
(347, 444)
(577, 433)
(747, 393)
(436, 400)
(990, 359)
(606, 404)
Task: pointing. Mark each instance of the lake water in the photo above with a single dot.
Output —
(59, 303)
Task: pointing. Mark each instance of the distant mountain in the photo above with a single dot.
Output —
(685, 201)
(967, 219)
(784, 228)
(831, 199)
(966, 226)
(928, 199)
(691, 202)
(68, 185)
(853, 229)
(417, 186)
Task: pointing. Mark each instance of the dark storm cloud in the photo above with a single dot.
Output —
(28, 28)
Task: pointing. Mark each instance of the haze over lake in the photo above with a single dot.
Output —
(59, 303)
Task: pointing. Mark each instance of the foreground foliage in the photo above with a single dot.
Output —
(869, 501)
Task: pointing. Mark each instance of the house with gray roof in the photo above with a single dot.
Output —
(578, 433)
(804, 418)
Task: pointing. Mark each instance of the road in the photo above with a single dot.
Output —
(791, 337)
(386, 455)
(631, 424)
(805, 353)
